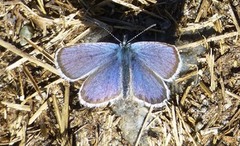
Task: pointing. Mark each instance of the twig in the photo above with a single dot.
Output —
(143, 126)
(28, 57)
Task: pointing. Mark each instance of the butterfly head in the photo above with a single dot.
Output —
(125, 44)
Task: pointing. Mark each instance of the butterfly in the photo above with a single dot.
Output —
(115, 71)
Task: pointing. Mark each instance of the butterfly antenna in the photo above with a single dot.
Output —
(111, 34)
(141, 32)
(100, 24)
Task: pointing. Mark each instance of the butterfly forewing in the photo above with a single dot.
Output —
(78, 61)
(103, 86)
(161, 58)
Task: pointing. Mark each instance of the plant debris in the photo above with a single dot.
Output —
(37, 107)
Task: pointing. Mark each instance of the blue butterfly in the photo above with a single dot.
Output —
(114, 71)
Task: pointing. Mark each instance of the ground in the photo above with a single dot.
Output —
(38, 107)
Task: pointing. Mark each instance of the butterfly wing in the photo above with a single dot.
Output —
(103, 86)
(161, 58)
(146, 87)
(78, 61)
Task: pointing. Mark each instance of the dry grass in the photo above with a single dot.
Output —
(37, 107)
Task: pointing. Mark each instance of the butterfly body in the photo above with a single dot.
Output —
(120, 71)
(125, 57)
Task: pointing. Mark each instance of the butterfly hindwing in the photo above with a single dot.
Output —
(103, 86)
(146, 86)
